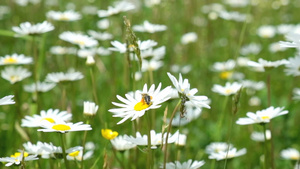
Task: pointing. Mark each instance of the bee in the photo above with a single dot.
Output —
(146, 98)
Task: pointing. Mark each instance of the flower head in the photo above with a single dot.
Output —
(121, 6)
(136, 106)
(15, 74)
(64, 16)
(63, 127)
(53, 116)
(156, 139)
(228, 89)
(70, 75)
(15, 59)
(83, 41)
(216, 147)
(293, 66)
(121, 144)
(189, 38)
(109, 134)
(261, 116)
(260, 137)
(27, 28)
(221, 155)
(290, 154)
(39, 87)
(262, 64)
(149, 27)
(185, 165)
(17, 158)
(90, 108)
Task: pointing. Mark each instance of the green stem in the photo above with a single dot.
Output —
(94, 86)
(220, 122)
(169, 130)
(265, 146)
(115, 154)
(229, 138)
(62, 139)
(149, 154)
(83, 145)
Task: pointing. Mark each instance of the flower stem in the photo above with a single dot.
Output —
(64, 150)
(149, 155)
(220, 122)
(265, 146)
(83, 145)
(94, 86)
(169, 129)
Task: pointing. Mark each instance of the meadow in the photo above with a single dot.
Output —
(133, 84)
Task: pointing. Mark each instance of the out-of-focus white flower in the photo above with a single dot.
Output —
(27, 2)
(17, 158)
(151, 65)
(103, 24)
(181, 140)
(85, 52)
(224, 66)
(266, 31)
(259, 136)
(121, 6)
(27, 28)
(276, 47)
(102, 36)
(181, 69)
(262, 64)
(221, 155)
(242, 61)
(290, 154)
(121, 47)
(294, 40)
(15, 59)
(81, 40)
(296, 93)
(70, 75)
(189, 38)
(234, 16)
(293, 66)
(121, 144)
(185, 165)
(14, 74)
(64, 16)
(156, 139)
(237, 3)
(7, 100)
(216, 147)
(39, 87)
(254, 101)
(252, 48)
(149, 27)
(228, 89)
(90, 60)
(103, 51)
(60, 50)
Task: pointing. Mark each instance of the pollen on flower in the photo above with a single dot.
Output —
(17, 154)
(61, 127)
(9, 60)
(48, 119)
(74, 154)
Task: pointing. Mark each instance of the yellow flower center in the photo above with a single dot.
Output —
(14, 79)
(74, 154)
(63, 18)
(9, 60)
(17, 154)
(226, 74)
(109, 134)
(142, 105)
(294, 157)
(80, 42)
(265, 117)
(48, 119)
(228, 91)
(61, 127)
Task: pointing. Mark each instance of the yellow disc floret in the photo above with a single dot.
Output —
(61, 127)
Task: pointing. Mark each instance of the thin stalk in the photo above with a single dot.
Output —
(149, 154)
(94, 86)
(62, 139)
(115, 154)
(212, 166)
(265, 146)
(83, 145)
(220, 122)
(169, 129)
(63, 98)
(229, 139)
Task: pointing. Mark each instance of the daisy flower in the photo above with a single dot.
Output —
(189, 38)
(90, 108)
(259, 136)
(151, 65)
(294, 40)
(228, 65)
(15, 74)
(216, 147)
(15, 59)
(262, 64)
(52, 115)
(39, 87)
(183, 88)
(156, 139)
(64, 16)
(76, 153)
(7, 100)
(290, 154)
(63, 127)
(122, 48)
(83, 41)
(185, 165)
(150, 3)
(296, 94)
(149, 27)
(103, 24)
(191, 114)
(228, 89)
(252, 48)
(102, 36)
(266, 31)
(37, 149)
(121, 6)
(27, 28)
(181, 140)
(17, 158)
(293, 66)
(221, 155)
(121, 144)
(261, 116)
(60, 50)
(181, 69)
(58, 77)
(134, 107)
(52, 150)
